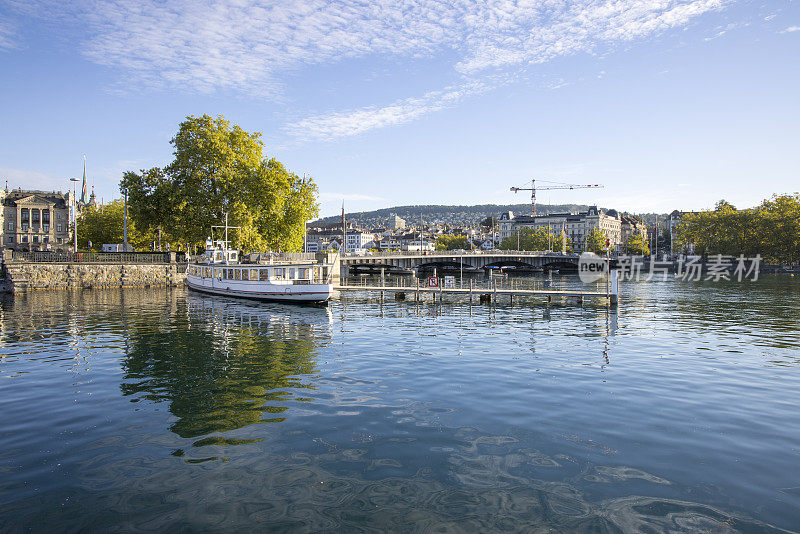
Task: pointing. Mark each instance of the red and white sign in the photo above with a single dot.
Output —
(433, 281)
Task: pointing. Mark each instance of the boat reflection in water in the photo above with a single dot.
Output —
(225, 365)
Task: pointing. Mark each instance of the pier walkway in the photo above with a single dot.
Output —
(490, 293)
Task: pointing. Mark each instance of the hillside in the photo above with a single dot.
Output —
(451, 215)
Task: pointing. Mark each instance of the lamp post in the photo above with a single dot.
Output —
(75, 210)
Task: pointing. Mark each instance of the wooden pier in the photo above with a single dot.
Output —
(489, 294)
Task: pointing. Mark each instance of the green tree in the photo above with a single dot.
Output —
(772, 230)
(104, 225)
(637, 245)
(452, 242)
(595, 241)
(217, 169)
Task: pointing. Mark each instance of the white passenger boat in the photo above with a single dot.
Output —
(277, 279)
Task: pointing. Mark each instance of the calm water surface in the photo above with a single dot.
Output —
(164, 409)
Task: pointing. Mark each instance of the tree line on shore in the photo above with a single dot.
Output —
(217, 169)
(771, 229)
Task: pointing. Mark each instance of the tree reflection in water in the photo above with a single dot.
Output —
(223, 365)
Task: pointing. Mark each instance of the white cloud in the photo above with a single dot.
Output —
(791, 29)
(342, 124)
(251, 46)
(247, 45)
(7, 33)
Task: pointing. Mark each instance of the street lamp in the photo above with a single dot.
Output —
(75, 210)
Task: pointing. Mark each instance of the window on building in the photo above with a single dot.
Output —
(46, 239)
(59, 227)
(25, 215)
(11, 226)
(35, 216)
(24, 227)
(10, 239)
(59, 240)
(59, 216)
(24, 239)
(36, 239)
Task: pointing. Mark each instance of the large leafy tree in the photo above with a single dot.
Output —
(772, 230)
(220, 168)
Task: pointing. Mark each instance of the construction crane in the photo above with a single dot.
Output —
(556, 185)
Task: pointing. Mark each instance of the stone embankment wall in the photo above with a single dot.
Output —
(25, 276)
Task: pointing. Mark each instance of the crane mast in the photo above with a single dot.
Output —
(557, 185)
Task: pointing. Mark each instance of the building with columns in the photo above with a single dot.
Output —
(35, 220)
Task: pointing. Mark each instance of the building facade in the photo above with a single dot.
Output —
(396, 223)
(35, 220)
(576, 226)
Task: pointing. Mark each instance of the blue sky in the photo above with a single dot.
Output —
(670, 104)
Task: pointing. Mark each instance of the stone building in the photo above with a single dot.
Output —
(576, 226)
(396, 223)
(35, 220)
(632, 226)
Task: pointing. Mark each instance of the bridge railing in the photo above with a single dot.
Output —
(405, 253)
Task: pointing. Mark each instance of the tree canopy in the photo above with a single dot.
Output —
(637, 245)
(219, 168)
(595, 241)
(103, 225)
(452, 242)
(772, 230)
(535, 239)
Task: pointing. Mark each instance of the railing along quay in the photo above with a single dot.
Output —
(98, 257)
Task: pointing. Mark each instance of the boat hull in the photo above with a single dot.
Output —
(307, 293)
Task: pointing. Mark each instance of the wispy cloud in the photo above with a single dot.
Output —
(791, 29)
(7, 32)
(346, 123)
(251, 46)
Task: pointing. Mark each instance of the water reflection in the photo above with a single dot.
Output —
(223, 365)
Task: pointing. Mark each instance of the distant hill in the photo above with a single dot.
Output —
(458, 216)
(451, 215)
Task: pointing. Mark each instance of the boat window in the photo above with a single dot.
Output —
(264, 275)
(238, 274)
(253, 274)
(279, 273)
(217, 273)
(291, 273)
(302, 274)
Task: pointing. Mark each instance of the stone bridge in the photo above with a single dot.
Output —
(470, 261)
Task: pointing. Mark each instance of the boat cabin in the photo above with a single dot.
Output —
(277, 274)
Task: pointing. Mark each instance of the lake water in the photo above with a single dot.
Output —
(163, 409)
